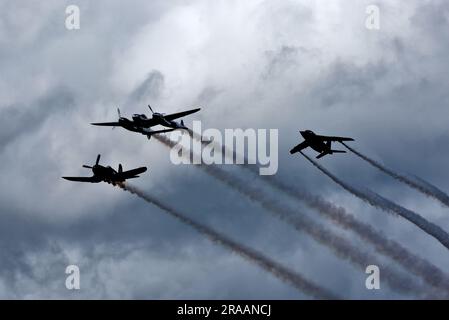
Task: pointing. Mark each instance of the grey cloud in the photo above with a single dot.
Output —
(394, 101)
(150, 89)
(18, 120)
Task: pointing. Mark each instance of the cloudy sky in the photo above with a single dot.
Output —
(286, 65)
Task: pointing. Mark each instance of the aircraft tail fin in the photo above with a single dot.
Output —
(120, 168)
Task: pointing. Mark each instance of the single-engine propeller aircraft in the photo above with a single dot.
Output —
(140, 123)
(321, 144)
(107, 174)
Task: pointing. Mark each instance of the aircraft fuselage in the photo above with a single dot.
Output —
(130, 125)
(139, 121)
(314, 142)
(106, 174)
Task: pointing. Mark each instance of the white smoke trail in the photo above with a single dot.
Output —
(424, 187)
(388, 247)
(388, 206)
(279, 271)
(339, 245)
(441, 195)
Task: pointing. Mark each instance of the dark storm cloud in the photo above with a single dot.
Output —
(150, 89)
(279, 60)
(347, 83)
(207, 95)
(21, 120)
(432, 17)
(248, 64)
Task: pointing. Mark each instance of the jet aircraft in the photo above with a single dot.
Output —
(321, 144)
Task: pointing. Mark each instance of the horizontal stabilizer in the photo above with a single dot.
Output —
(106, 124)
(339, 139)
(322, 154)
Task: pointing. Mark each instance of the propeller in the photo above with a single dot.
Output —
(96, 163)
(155, 112)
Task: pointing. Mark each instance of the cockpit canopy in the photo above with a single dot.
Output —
(139, 116)
(307, 133)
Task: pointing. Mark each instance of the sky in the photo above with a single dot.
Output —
(286, 65)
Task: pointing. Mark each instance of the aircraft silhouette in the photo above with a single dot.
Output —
(321, 144)
(108, 174)
(140, 123)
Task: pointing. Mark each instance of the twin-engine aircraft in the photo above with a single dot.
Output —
(140, 123)
(108, 174)
(321, 144)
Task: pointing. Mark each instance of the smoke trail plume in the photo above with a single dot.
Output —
(224, 150)
(339, 245)
(441, 195)
(390, 248)
(279, 271)
(422, 186)
(388, 206)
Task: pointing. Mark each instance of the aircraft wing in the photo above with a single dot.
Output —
(82, 179)
(106, 124)
(299, 147)
(131, 173)
(177, 115)
(334, 138)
